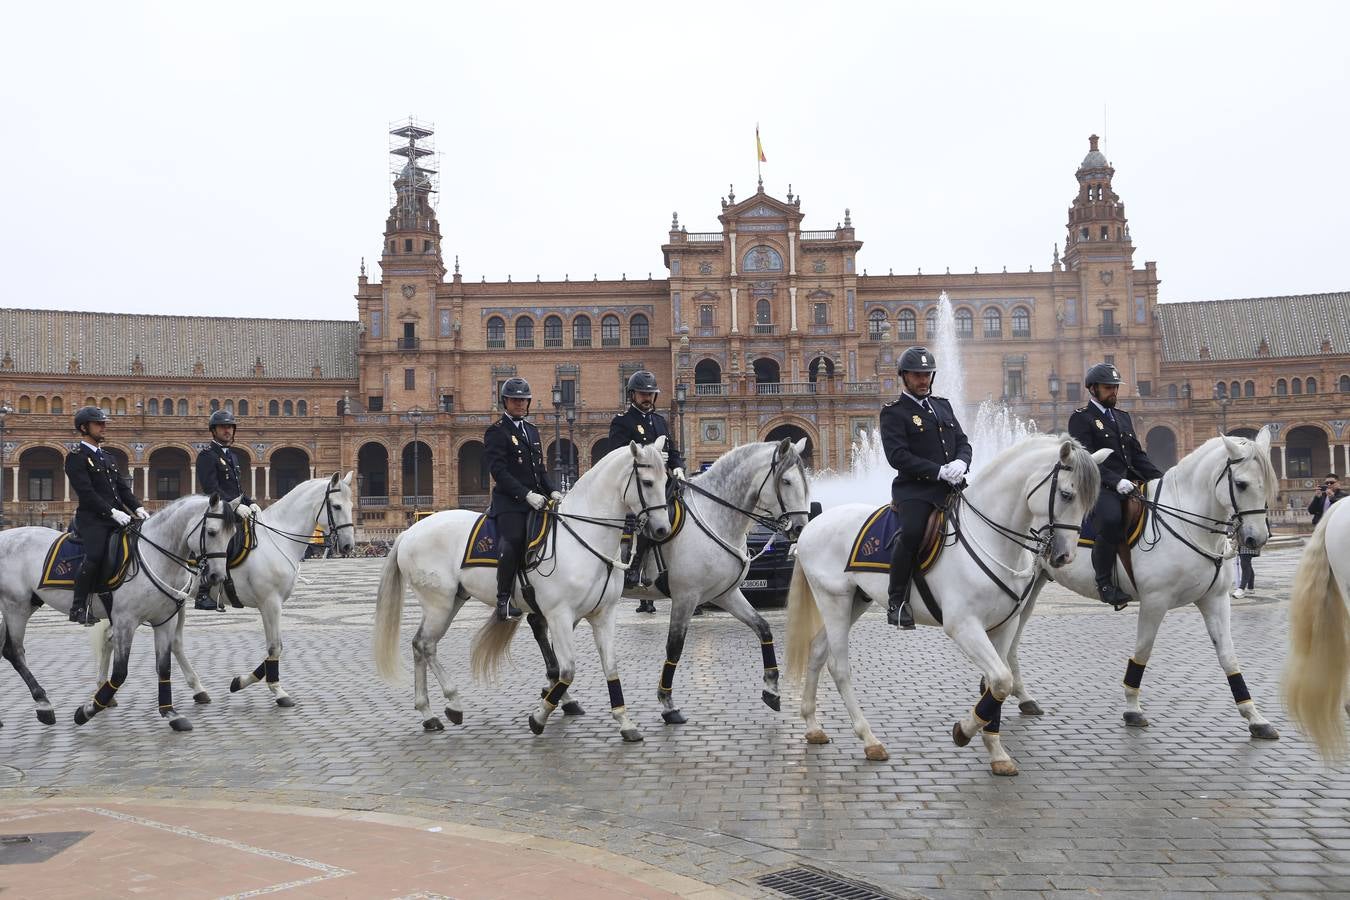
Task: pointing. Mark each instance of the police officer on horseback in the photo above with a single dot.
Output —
(1097, 425)
(641, 423)
(520, 483)
(106, 504)
(218, 472)
(924, 443)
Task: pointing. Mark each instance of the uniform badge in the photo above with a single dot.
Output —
(918, 421)
(923, 360)
(515, 440)
(641, 430)
(1100, 425)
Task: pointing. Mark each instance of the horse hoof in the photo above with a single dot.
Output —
(958, 736)
(1135, 720)
(772, 701)
(573, 708)
(236, 685)
(112, 703)
(1263, 732)
(673, 717)
(1003, 767)
(285, 702)
(47, 716)
(180, 724)
(631, 736)
(80, 717)
(876, 753)
(536, 727)
(817, 736)
(432, 724)
(201, 697)
(1030, 708)
(455, 716)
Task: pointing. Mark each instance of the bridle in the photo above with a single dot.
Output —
(645, 508)
(326, 510)
(779, 524)
(1039, 540)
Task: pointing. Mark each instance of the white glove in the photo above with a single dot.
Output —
(141, 513)
(120, 518)
(556, 496)
(1125, 486)
(254, 510)
(536, 501)
(952, 472)
(678, 474)
(958, 467)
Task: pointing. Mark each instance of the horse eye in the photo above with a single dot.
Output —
(1242, 485)
(647, 482)
(1067, 495)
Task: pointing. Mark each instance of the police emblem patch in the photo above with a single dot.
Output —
(641, 430)
(918, 421)
(515, 440)
(1100, 425)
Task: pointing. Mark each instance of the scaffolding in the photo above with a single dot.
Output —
(415, 168)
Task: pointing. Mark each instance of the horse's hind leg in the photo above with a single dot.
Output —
(11, 647)
(1028, 705)
(539, 628)
(735, 603)
(820, 645)
(122, 631)
(199, 694)
(986, 716)
(560, 631)
(681, 610)
(164, 635)
(603, 627)
(1215, 610)
(436, 619)
(1146, 632)
(839, 615)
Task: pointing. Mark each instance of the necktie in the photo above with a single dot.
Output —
(926, 408)
(1111, 416)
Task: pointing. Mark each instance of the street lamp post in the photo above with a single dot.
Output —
(681, 395)
(5, 410)
(1223, 399)
(1054, 400)
(557, 426)
(573, 460)
(415, 416)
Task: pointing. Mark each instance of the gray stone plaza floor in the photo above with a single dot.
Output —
(1190, 804)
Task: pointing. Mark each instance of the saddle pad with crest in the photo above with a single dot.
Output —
(872, 547)
(482, 548)
(67, 555)
(241, 545)
(675, 509)
(1134, 522)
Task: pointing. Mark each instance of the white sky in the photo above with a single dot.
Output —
(230, 159)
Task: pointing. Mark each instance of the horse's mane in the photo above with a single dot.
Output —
(1086, 477)
(1215, 445)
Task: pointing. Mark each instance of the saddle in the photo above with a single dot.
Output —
(1133, 510)
(871, 550)
(481, 551)
(66, 556)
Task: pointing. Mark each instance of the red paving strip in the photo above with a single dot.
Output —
(237, 850)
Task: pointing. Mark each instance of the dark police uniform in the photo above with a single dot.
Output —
(94, 477)
(918, 440)
(1096, 427)
(218, 473)
(515, 458)
(634, 425)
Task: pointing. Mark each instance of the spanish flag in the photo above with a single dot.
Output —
(759, 147)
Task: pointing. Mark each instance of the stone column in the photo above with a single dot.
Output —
(14, 471)
(265, 471)
(792, 292)
(733, 253)
(734, 326)
(253, 481)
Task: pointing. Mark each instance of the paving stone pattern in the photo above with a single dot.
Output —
(1190, 804)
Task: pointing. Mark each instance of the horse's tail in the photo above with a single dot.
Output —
(1319, 649)
(802, 625)
(490, 646)
(389, 616)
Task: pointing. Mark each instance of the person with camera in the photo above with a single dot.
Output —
(1328, 492)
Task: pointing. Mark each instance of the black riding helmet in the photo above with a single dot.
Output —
(643, 381)
(517, 388)
(221, 417)
(1102, 373)
(86, 414)
(917, 359)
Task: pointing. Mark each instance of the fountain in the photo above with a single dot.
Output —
(992, 428)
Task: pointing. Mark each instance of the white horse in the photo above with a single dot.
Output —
(1217, 494)
(1319, 635)
(1027, 503)
(706, 560)
(583, 578)
(266, 577)
(195, 526)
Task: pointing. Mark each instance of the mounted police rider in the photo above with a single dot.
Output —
(1098, 425)
(218, 472)
(642, 424)
(106, 504)
(520, 483)
(924, 443)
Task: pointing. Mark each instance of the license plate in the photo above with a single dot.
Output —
(753, 583)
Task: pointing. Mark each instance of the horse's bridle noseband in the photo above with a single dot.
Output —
(1044, 534)
(1234, 521)
(635, 479)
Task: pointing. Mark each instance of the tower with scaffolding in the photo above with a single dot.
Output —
(412, 229)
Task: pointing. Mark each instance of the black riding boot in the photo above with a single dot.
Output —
(1104, 565)
(84, 586)
(204, 599)
(897, 592)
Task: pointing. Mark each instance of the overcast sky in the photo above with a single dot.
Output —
(231, 159)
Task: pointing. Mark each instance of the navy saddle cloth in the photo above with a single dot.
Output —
(872, 547)
(67, 555)
(482, 548)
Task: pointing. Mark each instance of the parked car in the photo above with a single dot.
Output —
(766, 582)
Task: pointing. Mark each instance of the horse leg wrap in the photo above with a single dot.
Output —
(272, 667)
(1134, 675)
(988, 711)
(556, 692)
(615, 694)
(260, 672)
(165, 694)
(105, 693)
(770, 657)
(1238, 686)
(667, 677)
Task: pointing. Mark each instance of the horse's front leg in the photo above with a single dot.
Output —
(271, 617)
(539, 628)
(986, 717)
(164, 635)
(681, 611)
(1152, 609)
(560, 630)
(603, 628)
(11, 647)
(121, 631)
(1215, 609)
(735, 603)
(199, 694)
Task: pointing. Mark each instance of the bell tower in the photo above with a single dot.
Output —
(412, 235)
(1097, 224)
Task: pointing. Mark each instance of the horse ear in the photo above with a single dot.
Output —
(784, 445)
(213, 500)
(1099, 456)
(1065, 451)
(348, 480)
(633, 448)
(660, 443)
(800, 446)
(1263, 440)
(332, 482)
(1233, 447)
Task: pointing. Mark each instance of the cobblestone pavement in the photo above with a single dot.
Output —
(1190, 804)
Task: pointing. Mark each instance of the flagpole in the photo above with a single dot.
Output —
(759, 164)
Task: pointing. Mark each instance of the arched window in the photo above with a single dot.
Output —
(273, 408)
(40, 406)
(215, 405)
(581, 331)
(58, 406)
(1343, 386)
(638, 331)
(153, 407)
(906, 325)
(1281, 388)
(1171, 392)
(288, 408)
(1220, 390)
(167, 407)
(90, 401)
(25, 405)
(930, 323)
(525, 332)
(1298, 385)
(105, 404)
(707, 316)
(762, 259)
(993, 322)
(229, 406)
(553, 332)
(1249, 389)
(876, 324)
(609, 331)
(965, 323)
(1235, 390)
(301, 408)
(182, 407)
(1310, 386)
(496, 333)
(243, 407)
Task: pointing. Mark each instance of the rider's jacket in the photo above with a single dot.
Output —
(218, 473)
(635, 425)
(515, 460)
(1094, 429)
(918, 442)
(95, 480)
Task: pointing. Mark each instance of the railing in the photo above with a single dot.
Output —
(704, 237)
(609, 342)
(819, 329)
(861, 387)
(1108, 330)
(708, 331)
(1021, 332)
(874, 335)
(422, 501)
(788, 388)
(710, 390)
(764, 328)
(550, 342)
(639, 341)
(817, 235)
(496, 343)
(370, 501)
(524, 343)
(581, 341)
(409, 343)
